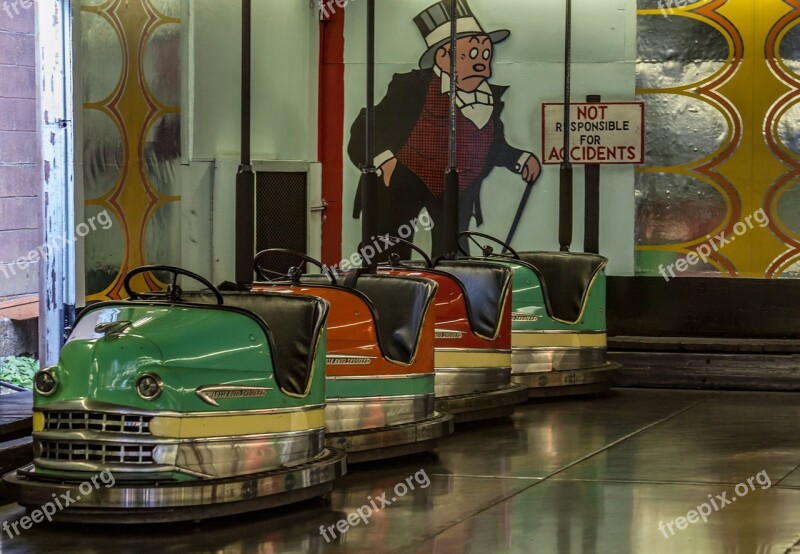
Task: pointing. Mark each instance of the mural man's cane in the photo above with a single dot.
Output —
(451, 183)
(526, 196)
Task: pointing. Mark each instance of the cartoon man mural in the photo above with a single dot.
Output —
(412, 127)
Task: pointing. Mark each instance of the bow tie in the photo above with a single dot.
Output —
(465, 99)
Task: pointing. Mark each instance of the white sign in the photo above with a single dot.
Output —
(600, 133)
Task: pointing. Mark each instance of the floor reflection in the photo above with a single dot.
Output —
(591, 476)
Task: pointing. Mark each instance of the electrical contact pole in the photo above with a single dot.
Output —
(245, 177)
(565, 200)
(591, 233)
(369, 173)
(451, 182)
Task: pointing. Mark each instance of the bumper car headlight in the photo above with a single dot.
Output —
(45, 382)
(149, 386)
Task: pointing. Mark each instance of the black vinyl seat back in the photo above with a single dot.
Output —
(295, 325)
(566, 278)
(401, 305)
(486, 287)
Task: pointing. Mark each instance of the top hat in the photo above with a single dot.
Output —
(434, 24)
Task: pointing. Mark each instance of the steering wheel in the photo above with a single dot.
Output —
(294, 272)
(395, 258)
(174, 291)
(487, 250)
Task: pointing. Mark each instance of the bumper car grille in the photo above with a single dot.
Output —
(97, 452)
(97, 421)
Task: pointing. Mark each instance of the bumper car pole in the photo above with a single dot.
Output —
(451, 183)
(245, 176)
(565, 201)
(369, 173)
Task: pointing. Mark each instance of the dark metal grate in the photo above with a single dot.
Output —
(97, 421)
(281, 216)
(97, 452)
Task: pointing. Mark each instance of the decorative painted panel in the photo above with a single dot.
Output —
(720, 192)
(131, 71)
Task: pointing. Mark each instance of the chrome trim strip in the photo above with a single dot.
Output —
(520, 316)
(89, 467)
(379, 377)
(339, 399)
(484, 405)
(475, 350)
(446, 334)
(389, 442)
(461, 381)
(361, 414)
(567, 380)
(472, 369)
(348, 359)
(118, 438)
(239, 457)
(533, 360)
(553, 332)
(542, 349)
(210, 393)
(98, 437)
(89, 405)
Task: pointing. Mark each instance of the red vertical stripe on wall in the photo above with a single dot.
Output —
(331, 129)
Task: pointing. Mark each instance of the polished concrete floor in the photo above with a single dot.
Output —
(574, 476)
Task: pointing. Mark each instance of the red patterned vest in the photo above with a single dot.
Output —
(426, 152)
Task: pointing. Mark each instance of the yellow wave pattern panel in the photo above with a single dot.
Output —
(781, 133)
(134, 110)
(746, 167)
